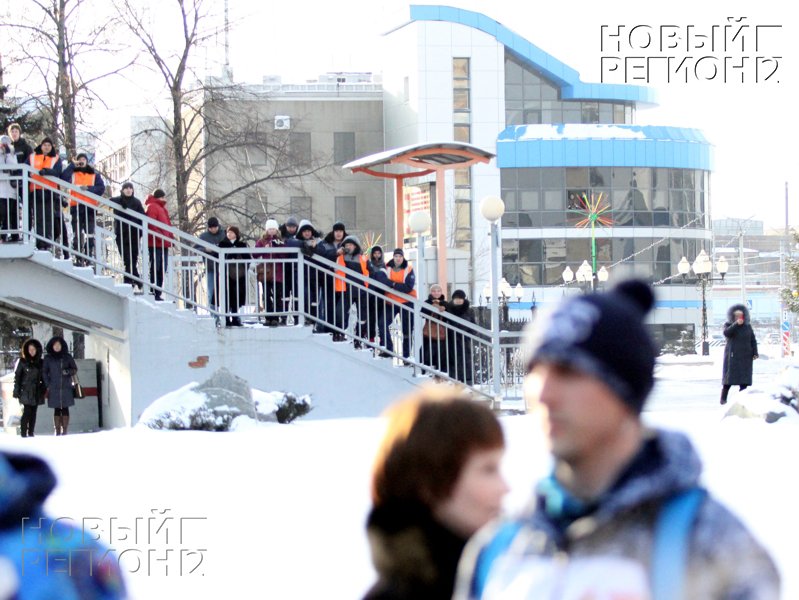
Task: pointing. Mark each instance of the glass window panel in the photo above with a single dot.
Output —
(554, 200)
(590, 112)
(529, 77)
(622, 177)
(551, 115)
(640, 199)
(599, 176)
(578, 250)
(663, 271)
(509, 198)
(300, 146)
(643, 245)
(531, 251)
(549, 92)
(510, 219)
(461, 133)
(460, 83)
(552, 178)
(529, 179)
(554, 250)
(460, 67)
(678, 201)
(622, 248)
(513, 92)
(507, 177)
(461, 118)
(577, 177)
(677, 250)
(345, 211)
(622, 208)
(532, 92)
(531, 116)
(604, 251)
(510, 271)
(553, 273)
(513, 117)
(688, 180)
(463, 193)
(343, 147)
(675, 179)
(530, 219)
(571, 114)
(643, 177)
(628, 114)
(605, 113)
(663, 253)
(513, 71)
(529, 200)
(644, 271)
(530, 274)
(643, 219)
(618, 113)
(460, 99)
(554, 219)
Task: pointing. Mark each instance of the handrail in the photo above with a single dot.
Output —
(222, 283)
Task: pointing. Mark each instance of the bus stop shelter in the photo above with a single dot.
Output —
(420, 160)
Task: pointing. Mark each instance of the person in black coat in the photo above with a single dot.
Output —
(740, 351)
(235, 277)
(58, 370)
(29, 386)
(22, 150)
(127, 231)
(45, 210)
(435, 482)
(308, 242)
(459, 344)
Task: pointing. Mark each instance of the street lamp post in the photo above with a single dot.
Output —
(702, 268)
(419, 222)
(492, 208)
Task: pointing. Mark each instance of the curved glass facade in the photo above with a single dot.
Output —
(542, 261)
(530, 98)
(637, 196)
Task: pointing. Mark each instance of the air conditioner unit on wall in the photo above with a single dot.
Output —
(282, 122)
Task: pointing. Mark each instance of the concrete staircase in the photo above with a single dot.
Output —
(147, 348)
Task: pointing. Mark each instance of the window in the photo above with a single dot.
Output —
(343, 147)
(300, 146)
(255, 149)
(345, 211)
(300, 206)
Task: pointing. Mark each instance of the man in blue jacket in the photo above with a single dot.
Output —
(623, 514)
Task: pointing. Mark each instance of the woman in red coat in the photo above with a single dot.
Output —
(158, 239)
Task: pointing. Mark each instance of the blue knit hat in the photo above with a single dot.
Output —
(603, 335)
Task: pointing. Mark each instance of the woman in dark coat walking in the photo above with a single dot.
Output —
(235, 277)
(57, 372)
(459, 344)
(740, 351)
(28, 384)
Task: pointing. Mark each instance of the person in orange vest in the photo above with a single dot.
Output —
(346, 294)
(45, 210)
(399, 276)
(82, 208)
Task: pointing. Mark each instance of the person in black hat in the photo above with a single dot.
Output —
(127, 231)
(211, 236)
(623, 508)
(331, 247)
(459, 341)
(288, 231)
(82, 208)
(46, 206)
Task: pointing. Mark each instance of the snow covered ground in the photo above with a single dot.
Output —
(278, 511)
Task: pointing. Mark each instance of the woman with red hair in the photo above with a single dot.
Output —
(435, 482)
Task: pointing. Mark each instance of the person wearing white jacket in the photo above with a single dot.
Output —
(9, 205)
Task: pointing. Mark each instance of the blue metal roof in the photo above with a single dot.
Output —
(571, 88)
(592, 145)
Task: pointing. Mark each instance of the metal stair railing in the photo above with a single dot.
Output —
(270, 285)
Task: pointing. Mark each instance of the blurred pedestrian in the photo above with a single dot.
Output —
(436, 480)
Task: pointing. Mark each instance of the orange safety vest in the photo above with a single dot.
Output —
(399, 277)
(40, 161)
(341, 284)
(79, 178)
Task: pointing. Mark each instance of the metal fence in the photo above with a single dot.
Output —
(274, 286)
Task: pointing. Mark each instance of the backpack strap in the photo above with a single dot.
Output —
(501, 541)
(670, 551)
